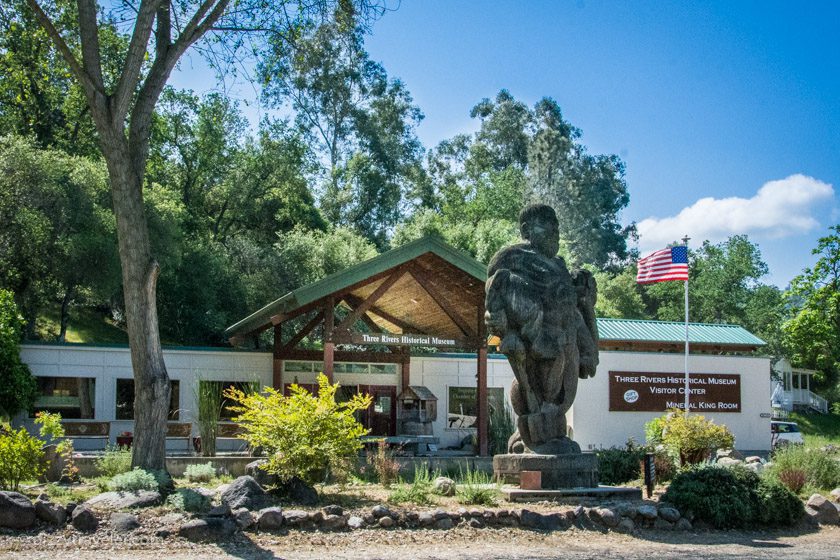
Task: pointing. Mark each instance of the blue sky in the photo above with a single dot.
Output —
(727, 114)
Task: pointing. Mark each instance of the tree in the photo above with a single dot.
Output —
(17, 389)
(812, 334)
(122, 112)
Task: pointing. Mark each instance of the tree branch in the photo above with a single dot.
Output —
(89, 35)
(163, 32)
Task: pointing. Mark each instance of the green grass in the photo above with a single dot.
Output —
(818, 430)
(86, 325)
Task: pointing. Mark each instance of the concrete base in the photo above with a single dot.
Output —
(569, 470)
(572, 495)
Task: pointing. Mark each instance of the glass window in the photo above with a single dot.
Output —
(72, 397)
(297, 367)
(383, 368)
(463, 406)
(125, 399)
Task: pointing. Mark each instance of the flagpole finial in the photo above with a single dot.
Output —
(685, 240)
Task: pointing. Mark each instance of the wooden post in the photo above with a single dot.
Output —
(329, 345)
(405, 370)
(481, 378)
(277, 362)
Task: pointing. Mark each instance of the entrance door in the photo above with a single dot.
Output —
(381, 417)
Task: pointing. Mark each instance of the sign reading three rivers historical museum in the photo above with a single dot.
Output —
(657, 392)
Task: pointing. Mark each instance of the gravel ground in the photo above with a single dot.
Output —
(461, 543)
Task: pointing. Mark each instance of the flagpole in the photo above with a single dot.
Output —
(685, 242)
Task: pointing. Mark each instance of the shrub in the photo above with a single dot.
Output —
(134, 481)
(666, 467)
(51, 429)
(821, 469)
(18, 389)
(187, 499)
(690, 437)
(304, 435)
(418, 492)
(116, 460)
(200, 473)
(477, 488)
(20, 457)
(382, 463)
(793, 479)
(618, 466)
(732, 497)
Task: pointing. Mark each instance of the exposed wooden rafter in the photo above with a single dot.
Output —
(441, 299)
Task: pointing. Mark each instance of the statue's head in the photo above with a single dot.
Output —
(538, 226)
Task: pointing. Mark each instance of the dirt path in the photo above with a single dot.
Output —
(461, 543)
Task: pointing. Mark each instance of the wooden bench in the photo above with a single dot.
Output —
(82, 429)
(180, 430)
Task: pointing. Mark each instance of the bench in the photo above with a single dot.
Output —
(180, 430)
(84, 430)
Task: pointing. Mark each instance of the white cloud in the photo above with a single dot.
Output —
(779, 209)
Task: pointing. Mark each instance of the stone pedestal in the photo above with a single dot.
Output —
(568, 470)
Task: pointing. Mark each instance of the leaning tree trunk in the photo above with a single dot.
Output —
(139, 274)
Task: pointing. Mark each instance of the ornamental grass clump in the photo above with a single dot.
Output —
(200, 473)
(419, 491)
(135, 481)
(477, 488)
(303, 435)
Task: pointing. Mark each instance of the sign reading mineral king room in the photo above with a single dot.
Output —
(657, 392)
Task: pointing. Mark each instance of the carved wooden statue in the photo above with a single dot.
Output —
(545, 318)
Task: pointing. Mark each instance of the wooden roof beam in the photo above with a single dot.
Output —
(379, 312)
(365, 305)
(443, 302)
(307, 328)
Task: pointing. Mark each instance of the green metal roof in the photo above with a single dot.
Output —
(672, 331)
(356, 273)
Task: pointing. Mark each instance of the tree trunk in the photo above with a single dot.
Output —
(139, 273)
(65, 314)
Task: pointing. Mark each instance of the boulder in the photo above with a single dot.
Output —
(70, 507)
(683, 524)
(270, 519)
(84, 519)
(607, 516)
(123, 522)
(264, 478)
(444, 486)
(298, 492)
(822, 511)
(125, 500)
(426, 519)
(475, 523)
(626, 510)
(335, 522)
(295, 517)
(355, 522)
(647, 512)
(380, 511)
(754, 459)
(244, 492)
(222, 510)
(626, 525)
(730, 453)
(440, 514)
(729, 462)
(662, 524)
(835, 494)
(539, 521)
(669, 514)
(16, 511)
(170, 519)
(333, 510)
(243, 518)
(444, 524)
(385, 522)
(51, 513)
(207, 530)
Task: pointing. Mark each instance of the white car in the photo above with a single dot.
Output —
(784, 433)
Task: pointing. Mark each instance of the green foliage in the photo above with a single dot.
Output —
(200, 472)
(620, 465)
(500, 429)
(819, 429)
(383, 464)
(115, 460)
(209, 398)
(419, 491)
(51, 429)
(779, 505)
(476, 487)
(303, 435)
(134, 481)
(18, 389)
(821, 468)
(189, 500)
(654, 429)
(20, 457)
(690, 437)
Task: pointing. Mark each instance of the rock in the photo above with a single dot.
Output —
(16, 511)
(380, 511)
(729, 462)
(440, 514)
(445, 523)
(607, 516)
(123, 522)
(333, 510)
(669, 514)
(474, 512)
(835, 494)
(270, 519)
(444, 486)
(243, 518)
(70, 507)
(757, 468)
(206, 492)
(626, 525)
(335, 522)
(222, 510)
(295, 517)
(626, 510)
(683, 524)
(475, 523)
(263, 477)
(753, 459)
(125, 500)
(426, 519)
(647, 512)
(822, 511)
(578, 511)
(84, 520)
(245, 492)
(539, 521)
(49, 512)
(171, 519)
(662, 524)
(316, 516)
(730, 453)
(207, 530)
(355, 522)
(297, 491)
(385, 522)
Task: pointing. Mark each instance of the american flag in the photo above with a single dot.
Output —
(664, 265)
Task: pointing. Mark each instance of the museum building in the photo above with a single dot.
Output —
(407, 328)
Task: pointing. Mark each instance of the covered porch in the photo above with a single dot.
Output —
(359, 326)
(794, 389)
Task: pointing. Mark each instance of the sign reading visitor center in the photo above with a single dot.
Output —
(657, 392)
(405, 339)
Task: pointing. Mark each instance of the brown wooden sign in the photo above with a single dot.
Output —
(404, 339)
(657, 392)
